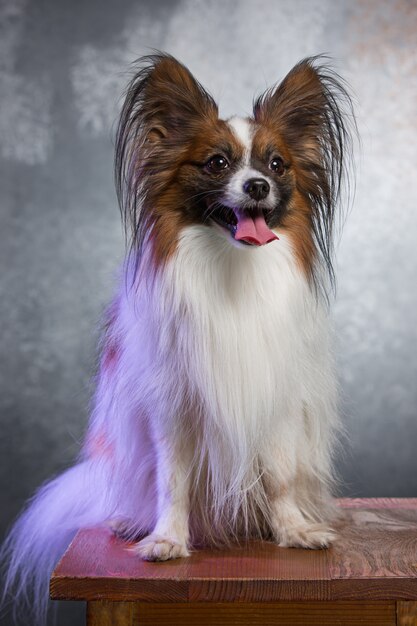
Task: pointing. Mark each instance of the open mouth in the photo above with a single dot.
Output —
(226, 217)
(247, 226)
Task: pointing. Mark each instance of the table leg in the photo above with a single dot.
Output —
(406, 613)
(105, 613)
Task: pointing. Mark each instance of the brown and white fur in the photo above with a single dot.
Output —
(216, 411)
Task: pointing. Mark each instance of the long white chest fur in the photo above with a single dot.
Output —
(244, 331)
(229, 353)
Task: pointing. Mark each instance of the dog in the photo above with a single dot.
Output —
(215, 416)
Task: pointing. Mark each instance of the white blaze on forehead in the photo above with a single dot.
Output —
(234, 194)
(243, 131)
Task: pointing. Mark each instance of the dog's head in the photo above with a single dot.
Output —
(251, 179)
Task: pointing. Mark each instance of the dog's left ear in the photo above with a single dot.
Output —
(312, 112)
(307, 109)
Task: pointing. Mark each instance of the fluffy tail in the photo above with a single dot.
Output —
(43, 532)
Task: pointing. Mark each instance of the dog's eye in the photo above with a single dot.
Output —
(217, 163)
(277, 166)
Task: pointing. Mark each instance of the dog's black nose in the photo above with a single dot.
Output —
(256, 188)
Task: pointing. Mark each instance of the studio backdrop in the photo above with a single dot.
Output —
(63, 68)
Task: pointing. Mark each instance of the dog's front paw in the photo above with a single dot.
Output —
(312, 536)
(159, 548)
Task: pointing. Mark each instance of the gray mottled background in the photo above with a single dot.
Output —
(63, 67)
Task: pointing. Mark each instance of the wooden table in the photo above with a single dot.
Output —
(368, 577)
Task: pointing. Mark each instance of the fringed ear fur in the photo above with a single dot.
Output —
(163, 106)
(312, 111)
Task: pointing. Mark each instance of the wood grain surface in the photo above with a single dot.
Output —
(375, 558)
(406, 613)
(213, 614)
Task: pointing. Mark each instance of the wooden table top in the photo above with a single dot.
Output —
(375, 558)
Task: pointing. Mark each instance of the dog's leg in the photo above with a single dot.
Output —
(290, 525)
(170, 535)
(292, 529)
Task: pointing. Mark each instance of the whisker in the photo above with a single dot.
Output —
(203, 194)
(211, 209)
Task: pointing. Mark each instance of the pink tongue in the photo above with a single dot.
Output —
(253, 229)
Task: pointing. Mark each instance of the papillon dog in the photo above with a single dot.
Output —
(215, 415)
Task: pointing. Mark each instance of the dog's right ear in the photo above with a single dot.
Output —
(164, 101)
(162, 111)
